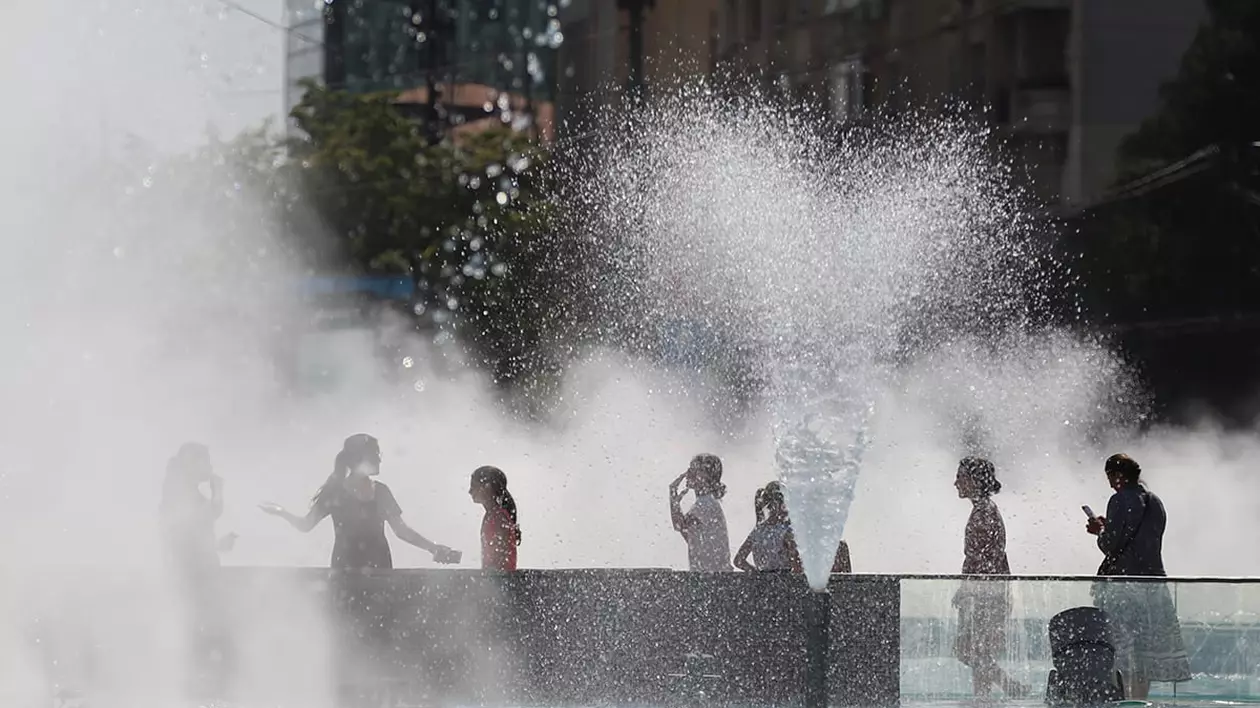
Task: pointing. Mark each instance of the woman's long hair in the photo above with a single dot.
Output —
(496, 480)
(355, 449)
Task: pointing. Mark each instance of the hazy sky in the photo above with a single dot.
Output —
(161, 70)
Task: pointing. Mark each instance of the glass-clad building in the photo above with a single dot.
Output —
(380, 45)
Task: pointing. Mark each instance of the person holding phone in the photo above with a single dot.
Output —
(1147, 633)
(189, 515)
(360, 508)
(703, 527)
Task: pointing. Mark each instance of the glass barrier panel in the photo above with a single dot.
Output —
(1198, 641)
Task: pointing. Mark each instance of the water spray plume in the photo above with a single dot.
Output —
(836, 261)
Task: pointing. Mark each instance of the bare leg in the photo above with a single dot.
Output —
(1139, 688)
(982, 681)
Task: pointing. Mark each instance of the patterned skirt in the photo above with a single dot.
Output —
(1145, 629)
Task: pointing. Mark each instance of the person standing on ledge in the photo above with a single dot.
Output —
(189, 516)
(360, 507)
(1146, 631)
(188, 520)
(983, 605)
(703, 527)
(500, 527)
(771, 543)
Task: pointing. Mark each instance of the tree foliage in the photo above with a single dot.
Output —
(464, 216)
(1215, 97)
(1192, 247)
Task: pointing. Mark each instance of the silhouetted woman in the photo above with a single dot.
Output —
(189, 516)
(771, 543)
(500, 526)
(360, 508)
(1146, 631)
(188, 519)
(983, 606)
(703, 527)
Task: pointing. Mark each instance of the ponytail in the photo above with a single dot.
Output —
(494, 478)
(331, 487)
(505, 500)
(354, 450)
(759, 504)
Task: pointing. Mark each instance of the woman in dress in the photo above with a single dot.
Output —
(983, 605)
(360, 508)
(1146, 631)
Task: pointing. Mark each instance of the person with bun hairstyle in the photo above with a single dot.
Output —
(703, 527)
(1143, 618)
(500, 527)
(983, 605)
(360, 508)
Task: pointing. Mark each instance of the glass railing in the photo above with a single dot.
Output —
(1218, 621)
(603, 637)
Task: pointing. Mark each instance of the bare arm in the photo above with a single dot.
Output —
(680, 521)
(410, 535)
(741, 556)
(301, 523)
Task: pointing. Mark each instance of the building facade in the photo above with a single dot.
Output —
(1062, 81)
(457, 62)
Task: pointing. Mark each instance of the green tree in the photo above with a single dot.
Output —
(466, 217)
(1190, 247)
(1213, 100)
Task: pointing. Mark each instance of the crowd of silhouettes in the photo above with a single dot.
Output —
(1129, 536)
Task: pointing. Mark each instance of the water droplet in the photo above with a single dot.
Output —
(501, 198)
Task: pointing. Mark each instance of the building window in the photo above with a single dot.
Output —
(849, 89)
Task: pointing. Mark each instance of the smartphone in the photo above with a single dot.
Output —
(1089, 513)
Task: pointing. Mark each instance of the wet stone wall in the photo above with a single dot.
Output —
(551, 638)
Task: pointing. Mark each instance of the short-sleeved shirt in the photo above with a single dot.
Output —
(708, 545)
(498, 539)
(359, 527)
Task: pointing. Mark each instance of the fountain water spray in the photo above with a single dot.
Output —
(833, 261)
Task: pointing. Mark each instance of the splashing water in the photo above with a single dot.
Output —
(838, 264)
(821, 426)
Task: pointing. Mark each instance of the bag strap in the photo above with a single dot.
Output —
(1146, 505)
